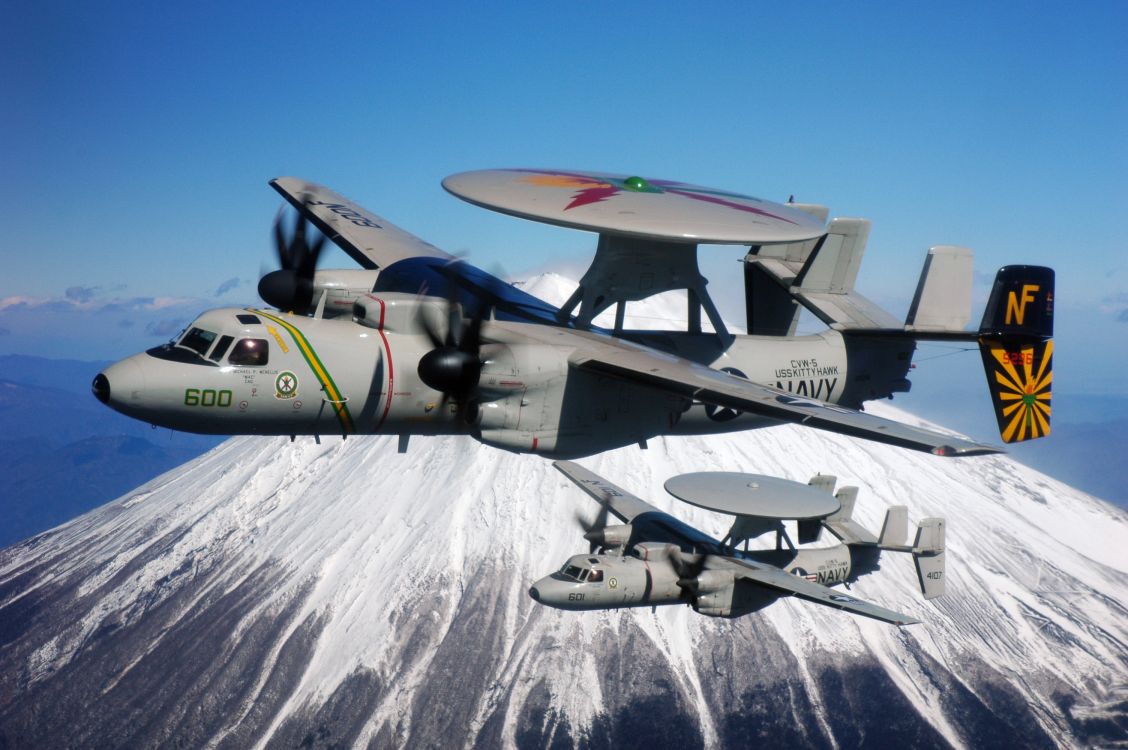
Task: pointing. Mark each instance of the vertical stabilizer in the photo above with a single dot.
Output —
(824, 482)
(847, 497)
(943, 295)
(1015, 341)
(895, 530)
(769, 271)
(842, 523)
(928, 554)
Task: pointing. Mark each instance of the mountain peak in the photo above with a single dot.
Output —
(268, 589)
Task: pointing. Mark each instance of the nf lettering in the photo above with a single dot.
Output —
(1017, 305)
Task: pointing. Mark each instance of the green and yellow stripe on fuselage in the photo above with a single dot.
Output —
(333, 394)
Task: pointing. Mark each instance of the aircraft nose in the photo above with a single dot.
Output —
(120, 385)
(534, 594)
(101, 388)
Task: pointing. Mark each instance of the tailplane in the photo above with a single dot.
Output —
(1016, 343)
(927, 549)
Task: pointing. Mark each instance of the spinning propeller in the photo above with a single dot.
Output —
(594, 530)
(454, 366)
(291, 287)
(689, 571)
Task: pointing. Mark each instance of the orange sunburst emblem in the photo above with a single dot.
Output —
(1021, 390)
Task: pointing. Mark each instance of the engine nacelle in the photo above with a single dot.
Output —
(342, 287)
(532, 401)
(401, 313)
(721, 594)
(713, 581)
(615, 535)
(714, 593)
(521, 388)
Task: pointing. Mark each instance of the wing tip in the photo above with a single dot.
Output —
(965, 450)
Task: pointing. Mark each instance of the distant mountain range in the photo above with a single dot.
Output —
(63, 453)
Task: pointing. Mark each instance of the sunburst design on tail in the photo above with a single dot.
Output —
(1020, 388)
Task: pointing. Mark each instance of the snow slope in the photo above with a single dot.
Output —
(273, 594)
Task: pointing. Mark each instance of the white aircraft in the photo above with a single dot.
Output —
(652, 558)
(417, 342)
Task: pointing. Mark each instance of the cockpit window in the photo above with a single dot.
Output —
(573, 571)
(221, 348)
(250, 353)
(596, 576)
(198, 340)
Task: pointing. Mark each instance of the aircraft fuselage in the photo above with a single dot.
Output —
(258, 372)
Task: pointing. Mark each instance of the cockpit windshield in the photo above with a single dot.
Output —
(215, 338)
(582, 575)
(198, 340)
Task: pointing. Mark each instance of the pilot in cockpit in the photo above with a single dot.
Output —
(582, 574)
(200, 344)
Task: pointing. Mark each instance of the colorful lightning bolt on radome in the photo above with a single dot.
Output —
(592, 190)
(588, 190)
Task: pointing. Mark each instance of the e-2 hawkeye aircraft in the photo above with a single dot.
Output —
(654, 559)
(420, 343)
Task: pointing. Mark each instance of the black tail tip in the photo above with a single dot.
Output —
(1021, 304)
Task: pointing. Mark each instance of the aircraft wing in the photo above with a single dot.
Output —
(640, 364)
(781, 580)
(370, 240)
(622, 504)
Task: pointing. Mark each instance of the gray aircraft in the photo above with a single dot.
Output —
(654, 559)
(419, 343)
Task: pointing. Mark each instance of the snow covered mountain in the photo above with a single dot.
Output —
(277, 594)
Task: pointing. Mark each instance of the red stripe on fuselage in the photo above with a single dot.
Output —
(391, 370)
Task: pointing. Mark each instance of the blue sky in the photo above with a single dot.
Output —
(139, 139)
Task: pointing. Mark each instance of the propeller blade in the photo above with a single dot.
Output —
(281, 246)
(291, 286)
(454, 365)
(687, 571)
(593, 530)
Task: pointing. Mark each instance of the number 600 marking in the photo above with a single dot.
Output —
(207, 397)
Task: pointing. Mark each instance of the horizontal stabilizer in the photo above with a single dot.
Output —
(820, 277)
(943, 296)
(825, 286)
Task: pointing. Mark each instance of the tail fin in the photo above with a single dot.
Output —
(927, 549)
(1016, 343)
(928, 554)
(895, 530)
(842, 523)
(811, 528)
